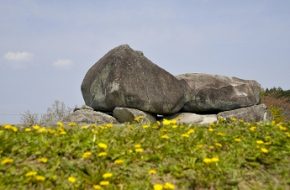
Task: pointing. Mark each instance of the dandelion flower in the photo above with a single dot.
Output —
(42, 160)
(60, 124)
(7, 161)
(31, 173)
(185, 135)
(260, 142)
(169, 122)
(264, 150)
(253, 129)
(164, 137)
(107, 175)
(237, 140)
(211, 160)
(104, 183)
(139, 150)
(145, 126)
(102, 154)
(102, 146)
(72, 179)
(218, 145)
(158, 186)
(137, 145)
(119, 161)
(87, 155)
(97, 187)
(152, 172)
(27, 129)
(169, 186)
(39, 178)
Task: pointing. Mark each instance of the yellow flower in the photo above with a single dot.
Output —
(60, 124)
(152, 172)
(27, 129)
(210, 129)
(158, 186)
(145, 126)
(39, 178)
(164, 137)
(36, 127)
(174, 126)
(97, 187)
(210, 160)
(185, 135)
(221, 134)
(137, 145)
(102, 146)
(260, 142)
(253, 129)
(72, 179)
(42, 160)
(87, 154)
(107, 175)
(104, 183)
(190, 131)
(264, 150)
(139, 150)
(11, 127)
(119, 161)
(169, 186)
(102, 154)
(169, 122)
(237, 140)
(31, 173)
(218, 145)
(7, 161)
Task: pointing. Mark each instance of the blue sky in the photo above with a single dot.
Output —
(46, 47)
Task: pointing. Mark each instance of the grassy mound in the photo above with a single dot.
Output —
(225, 155)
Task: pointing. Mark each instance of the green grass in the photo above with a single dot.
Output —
(226, 155)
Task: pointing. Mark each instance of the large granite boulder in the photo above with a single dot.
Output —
(89, 116)
(215, 93)
(130, 115)
(126, 78)
(250, 114)
(192, 118)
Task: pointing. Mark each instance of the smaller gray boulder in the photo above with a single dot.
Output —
(250, 114)
(216, 93)
(192, 118)
(123, 114)
(90, 116)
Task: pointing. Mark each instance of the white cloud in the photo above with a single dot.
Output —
(63, 63)
(18, 56)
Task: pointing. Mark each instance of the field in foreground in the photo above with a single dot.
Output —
(225, 155)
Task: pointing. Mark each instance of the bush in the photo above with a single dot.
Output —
(57, 112)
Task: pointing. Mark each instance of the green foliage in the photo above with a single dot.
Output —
(225, 155)
(278, 93)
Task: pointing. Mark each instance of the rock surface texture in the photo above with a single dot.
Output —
(249, 114)
(126, 78)
(192, 118)
(90, 116)
(215, 93)
(130, 115)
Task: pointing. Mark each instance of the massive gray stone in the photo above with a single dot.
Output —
(130, 114)
(126, 78)
(215, 93)
(250, 114)
(90, 117)
(192, 118)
